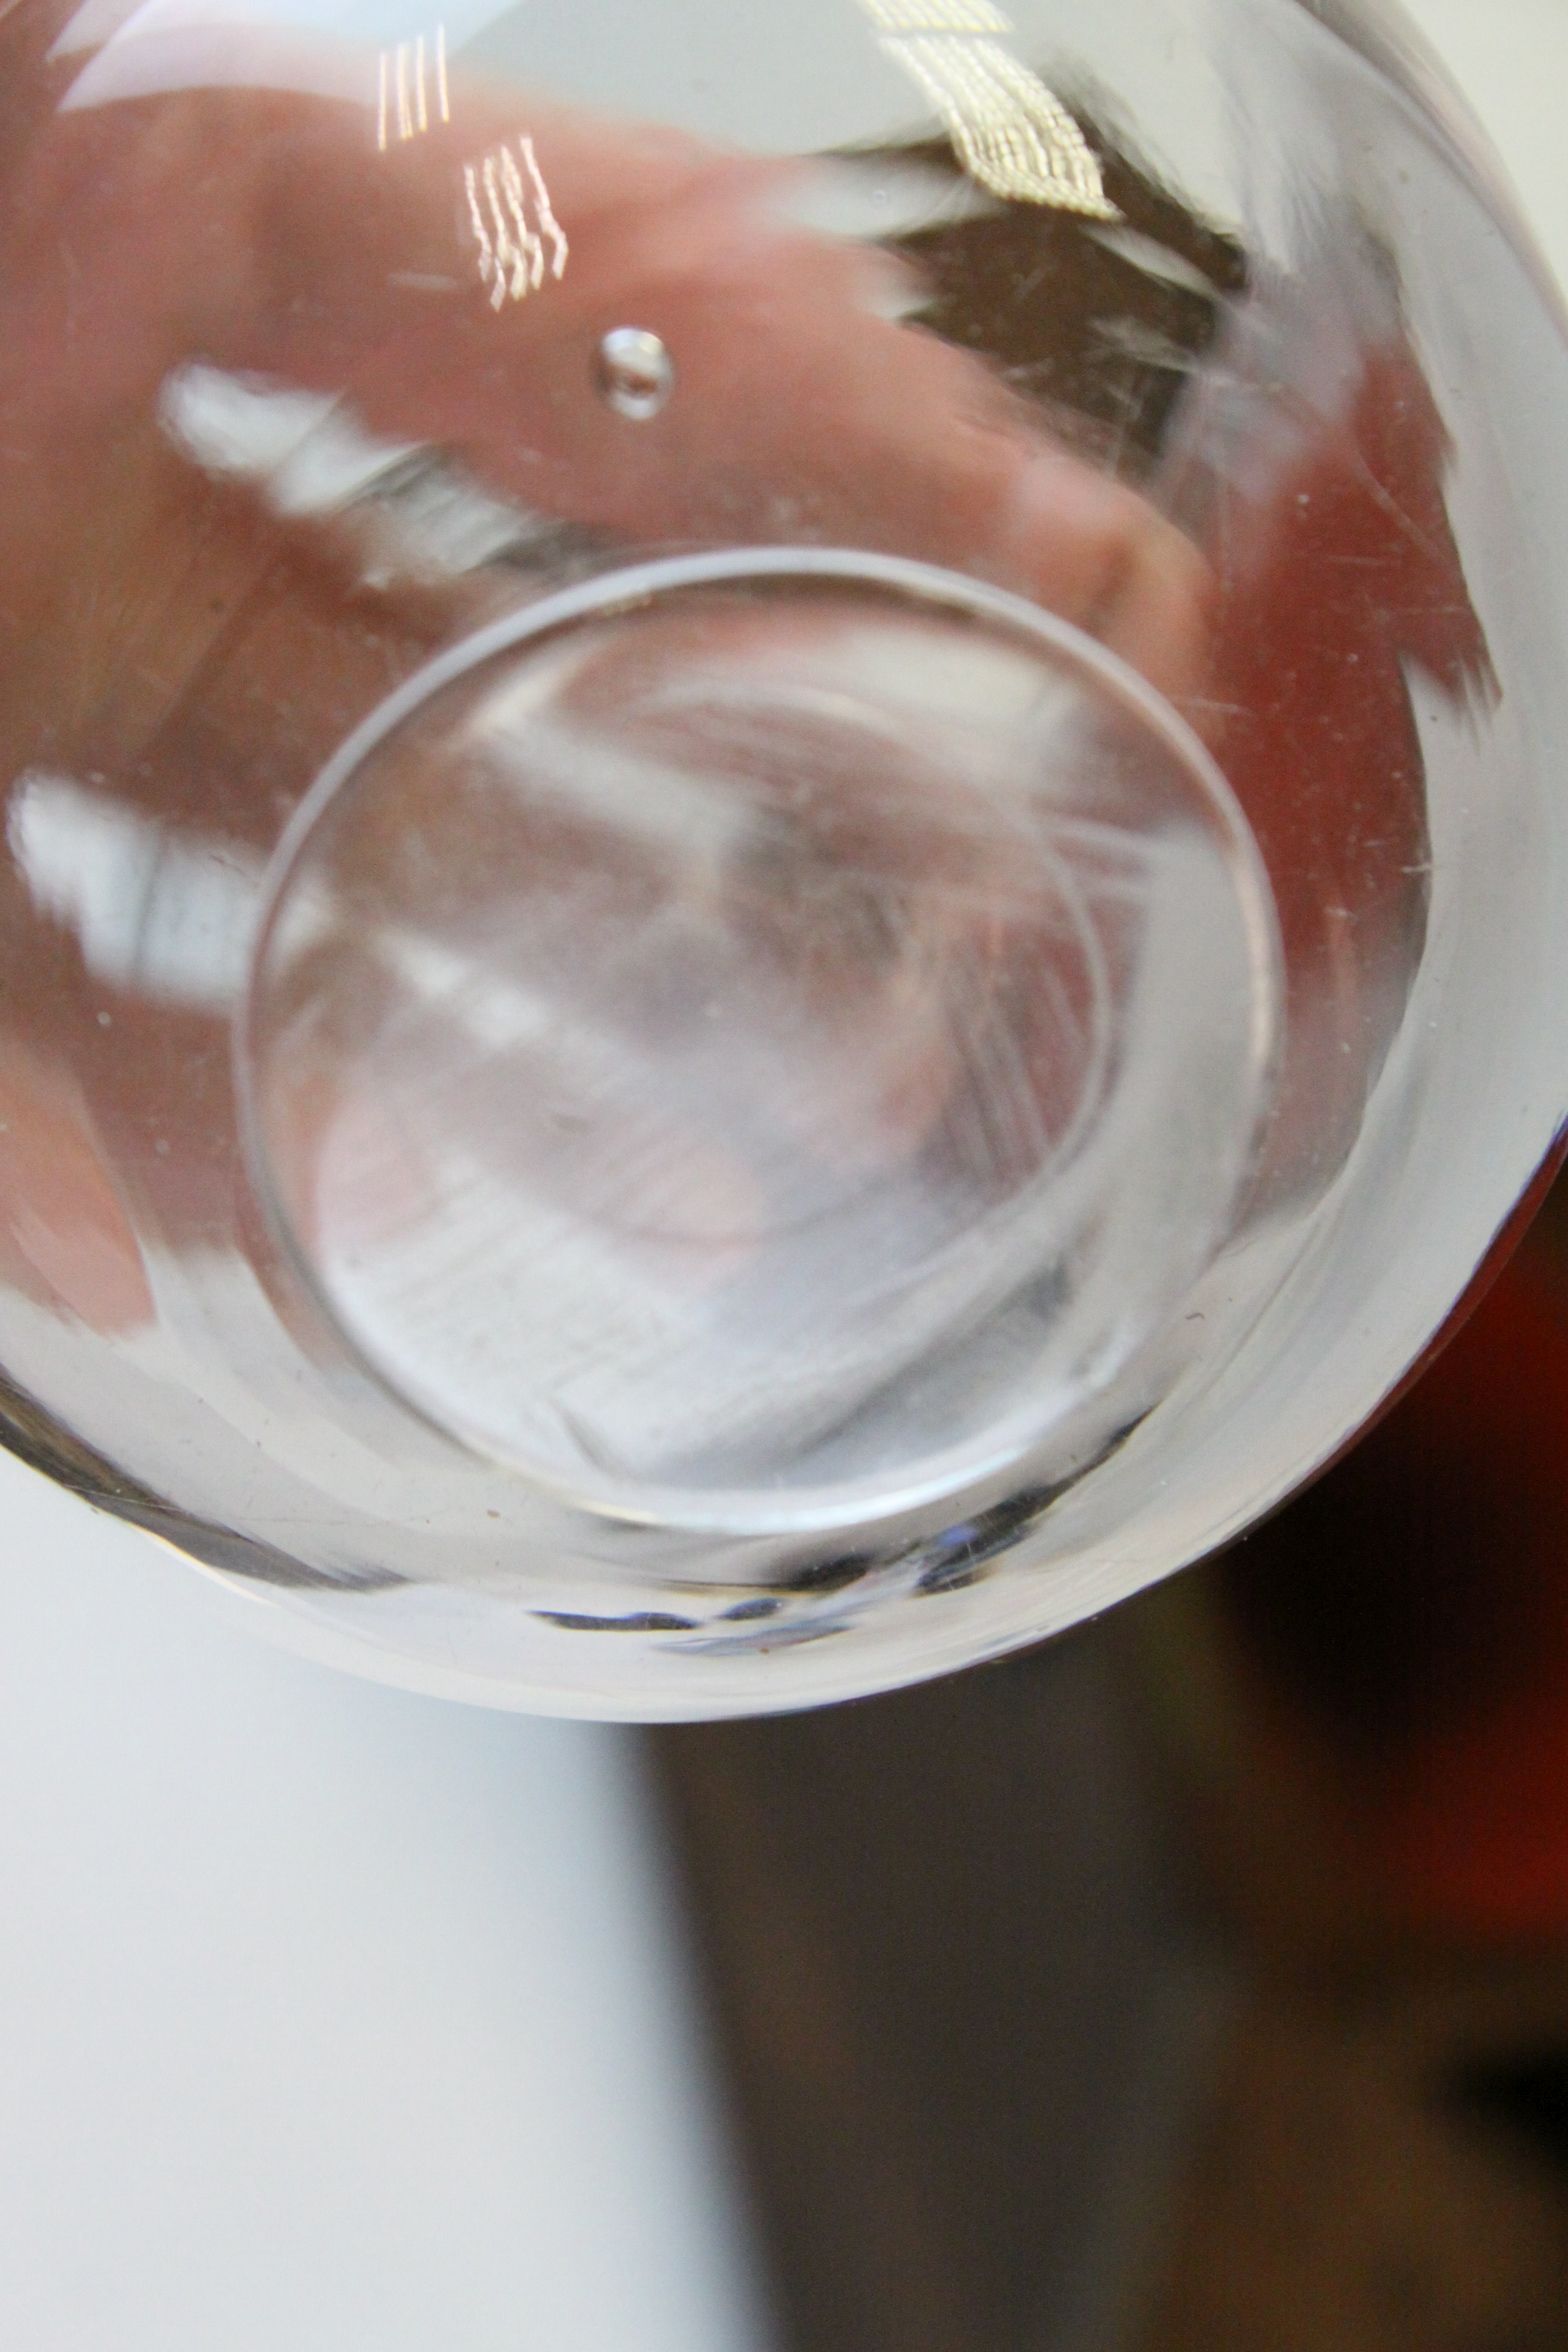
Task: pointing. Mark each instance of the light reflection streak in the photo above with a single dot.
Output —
(443, 93)
(515, 240)
(1012, 134)
(511, 245)
(163, 918)
(547, 220)
(414, 74)
(489, 267)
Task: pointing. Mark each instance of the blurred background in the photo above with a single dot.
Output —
(1202, 1980)
(1199, 1981)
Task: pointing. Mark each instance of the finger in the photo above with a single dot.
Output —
(290, 243)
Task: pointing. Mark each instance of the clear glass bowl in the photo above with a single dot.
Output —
(784, 874)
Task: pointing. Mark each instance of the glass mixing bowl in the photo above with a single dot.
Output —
(783, 864)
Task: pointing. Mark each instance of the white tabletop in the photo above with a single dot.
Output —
(334, 2020)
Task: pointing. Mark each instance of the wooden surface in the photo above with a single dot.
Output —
(1001, 2091)
(962, 2005)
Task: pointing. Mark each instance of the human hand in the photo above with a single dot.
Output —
(292, 246)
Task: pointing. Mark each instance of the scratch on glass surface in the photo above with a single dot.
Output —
(1012, 134)
(510, 243)
(412, 78)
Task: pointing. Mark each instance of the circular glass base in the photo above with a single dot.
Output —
(756, 1041)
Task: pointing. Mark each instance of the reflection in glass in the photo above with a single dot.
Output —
(896, 740)
(1012, 133)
